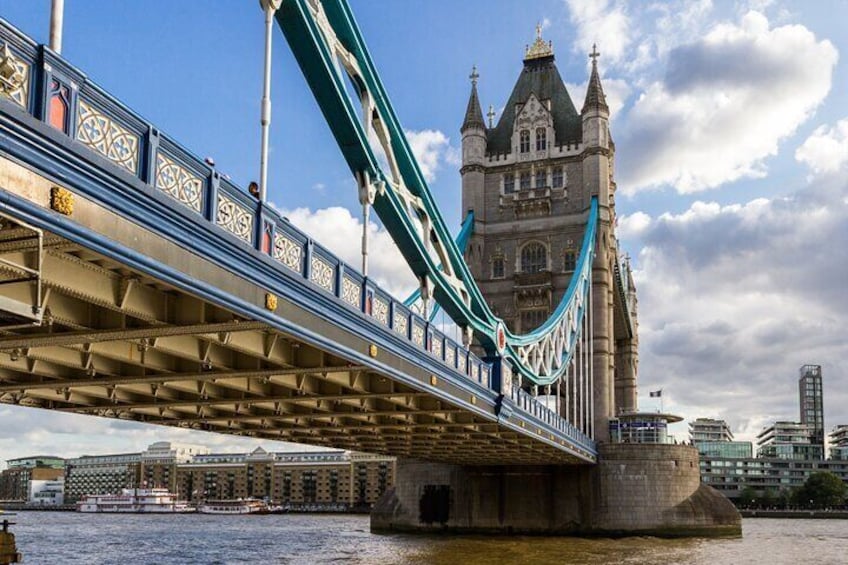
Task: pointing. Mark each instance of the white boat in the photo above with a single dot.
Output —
(243, 506)
(134, 500)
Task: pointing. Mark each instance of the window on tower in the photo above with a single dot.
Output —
(569, 260)
(532, 319)
(541, 178)
(509, 183)
(534, 258)
(498, 268)
(524, 141)
(524, 180)
(556, 177)
(541, 139)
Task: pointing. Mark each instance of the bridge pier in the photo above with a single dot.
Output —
(635, 489)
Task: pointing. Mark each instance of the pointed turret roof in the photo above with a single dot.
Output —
(541, 78)
(473, 113)
(595, 99)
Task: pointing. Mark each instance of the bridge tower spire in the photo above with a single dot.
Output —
(474, 143)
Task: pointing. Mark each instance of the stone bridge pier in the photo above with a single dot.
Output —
(635, 489)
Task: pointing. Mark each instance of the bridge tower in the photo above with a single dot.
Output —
(530, 179)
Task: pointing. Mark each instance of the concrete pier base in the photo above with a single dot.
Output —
(634, 490)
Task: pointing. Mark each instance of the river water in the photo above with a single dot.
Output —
(67, 537)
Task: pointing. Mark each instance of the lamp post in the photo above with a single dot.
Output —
(57, 10)
(269, 7)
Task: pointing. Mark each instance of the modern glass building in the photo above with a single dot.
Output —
(709, 430)
(811, 400)
(789, 440)
(839, 443)
(725, 449)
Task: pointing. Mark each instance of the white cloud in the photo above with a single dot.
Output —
(733, 299)
(603, 22)
(26, 431)
(724, 104)
(633, 226)
(337, 230)
(616, 91)
(826, 150)
(431, 148)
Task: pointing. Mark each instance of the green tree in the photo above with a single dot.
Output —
(767, 500)
(747, 497)
(784, 498)
(822, 490)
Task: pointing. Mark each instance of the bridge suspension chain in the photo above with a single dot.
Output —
(328, 46)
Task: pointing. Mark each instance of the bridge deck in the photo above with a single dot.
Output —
(161, 307)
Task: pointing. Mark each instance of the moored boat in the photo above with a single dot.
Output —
(138, 501)
(241, 506)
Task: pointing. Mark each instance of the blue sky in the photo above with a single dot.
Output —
(731, 130)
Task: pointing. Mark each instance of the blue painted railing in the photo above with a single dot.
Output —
(57, 93)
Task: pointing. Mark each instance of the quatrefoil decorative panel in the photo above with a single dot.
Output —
(106, 136)
(321, 273)
(179, 183)
(351, 292)
(14, 77)
(234, 218)
(288, 252)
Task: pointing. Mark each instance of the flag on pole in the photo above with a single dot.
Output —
(656, 393)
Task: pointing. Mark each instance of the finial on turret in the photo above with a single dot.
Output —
(594, 54)
(491, 116)
(595, 98)
(473, 113)
(540, 48)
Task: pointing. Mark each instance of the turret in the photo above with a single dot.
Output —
(596, 139)
(474, 141)
(473, 128)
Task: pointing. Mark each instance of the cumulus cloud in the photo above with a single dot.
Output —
(616, 91)
(431, 148)
(724, 104)
(734, 298)
(337, 230)
(826, 150)
(603, 22)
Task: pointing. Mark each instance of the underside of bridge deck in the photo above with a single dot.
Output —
(114, 342)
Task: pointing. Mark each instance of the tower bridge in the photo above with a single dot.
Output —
(138, 283)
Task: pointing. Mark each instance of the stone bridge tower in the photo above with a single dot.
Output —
(530, 178)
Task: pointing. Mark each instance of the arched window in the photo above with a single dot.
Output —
(524, 180)
(509, 183)
(524, 141)
(570, 260)
(534, 258)
(557, 180)
(541, 139)
(541, 178)
(532, 319)
(498, 267)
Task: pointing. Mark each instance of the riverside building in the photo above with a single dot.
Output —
(314, 480)
(839, 443)
(309, 480)
(26, 476)
(787, 452)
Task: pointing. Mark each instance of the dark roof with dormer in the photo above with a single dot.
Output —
(540, 77)
(473, 113)
(595, 99)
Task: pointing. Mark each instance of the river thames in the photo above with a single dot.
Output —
(67, 537)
